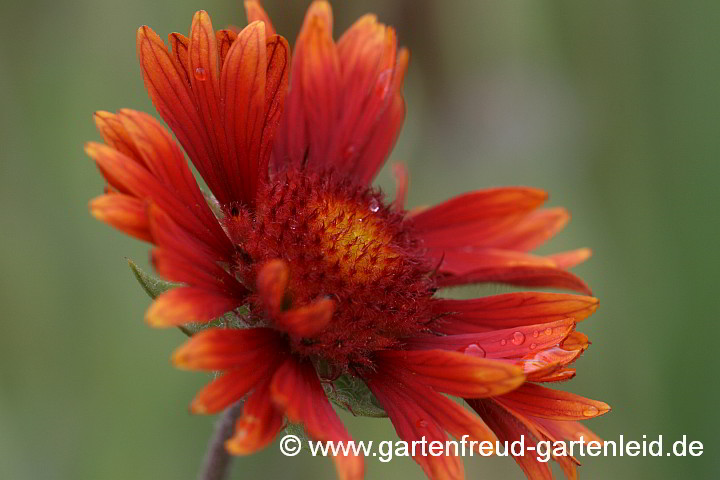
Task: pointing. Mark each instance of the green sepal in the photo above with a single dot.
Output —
(351, 394)
(152, 285)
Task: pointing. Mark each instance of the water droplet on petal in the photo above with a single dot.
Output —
(548, 331)
(474, 350)
(503, 342)
(590, 411)
(533, 346)
(349, 152)
(421, 423)
(536, 334)
(518, 338)
(374, 205)
(200, 74)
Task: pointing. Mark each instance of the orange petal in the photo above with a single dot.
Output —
(243, 90)
(538, 401)
(259, 424)
(272, 280)
(183, 305)
(320, 86)
(205, 87)
(402, 182)
(509, 429)
(255, 12)
(224, 40)
(382, 140)
(296, 389)
(308, 320)
(449, 415)
(455, 373)
(179, 46)
(224, 349)
(115, 135)
(510, 310)
(571, 258)
(123, 212)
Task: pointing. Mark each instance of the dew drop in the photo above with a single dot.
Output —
(533, 346)
(349, 152)
(421, 423)
(200, 74)
(503, 342)
(548, 331)
(474, 350)
(518, 338)
(590, 411)
(536, 334)
(374, 205)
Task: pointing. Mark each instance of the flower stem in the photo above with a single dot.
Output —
(217, 460)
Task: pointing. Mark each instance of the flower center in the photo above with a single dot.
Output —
(340, 241)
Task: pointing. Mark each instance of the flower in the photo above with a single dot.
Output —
(337, 280)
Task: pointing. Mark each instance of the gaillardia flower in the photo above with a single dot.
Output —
(334, 279)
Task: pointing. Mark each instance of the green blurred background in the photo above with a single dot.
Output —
(610, 105)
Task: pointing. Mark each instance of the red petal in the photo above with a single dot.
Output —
(225, 349)
(413, 423)
(183, 305)
(468, 211)
(320, 86)
(123, 212)
(449, 415)
(456, 373)
(271, 282)
(205, 88)
(255, 12)
(179, 45)
(276, 86)
(367, 52)
(243, 91)
(531, 399)
(166, 79)
(527, 276)
(308, 320)
(205, 274)
(509, 429)
(230, 387)
(510, 310)
(506, 343)
(137, 180)
(296, 388)
(548, 362)
(259, 424)
(532, 231)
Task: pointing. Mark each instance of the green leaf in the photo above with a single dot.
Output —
(152, 285)
(353, 395)
(298, 430)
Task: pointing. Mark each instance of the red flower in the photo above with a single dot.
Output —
(332, 274)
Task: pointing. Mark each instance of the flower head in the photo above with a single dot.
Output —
(337, 280)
